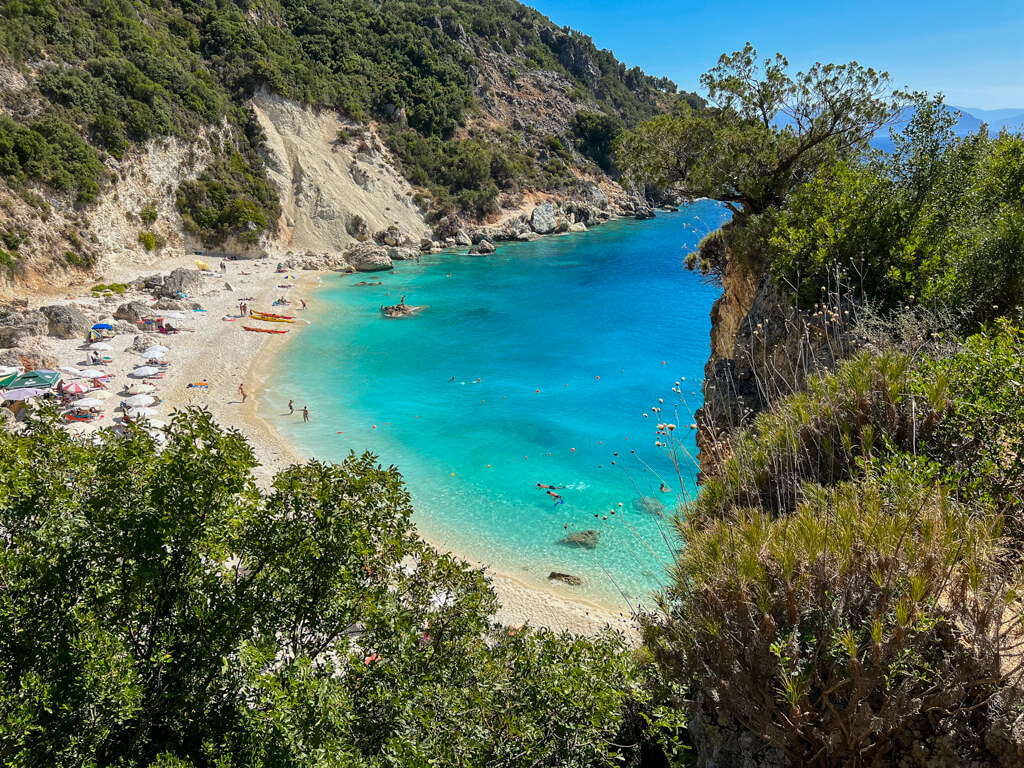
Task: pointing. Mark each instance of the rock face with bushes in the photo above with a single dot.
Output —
(17, 327)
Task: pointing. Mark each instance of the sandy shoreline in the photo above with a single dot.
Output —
(221, 353)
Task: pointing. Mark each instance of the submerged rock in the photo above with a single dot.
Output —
(566, 578)
(363, 282)
(586, 539)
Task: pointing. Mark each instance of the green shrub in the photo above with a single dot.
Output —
(148, 214)
(158, 603)
(112, 288)
(148, 240)
(875, 616)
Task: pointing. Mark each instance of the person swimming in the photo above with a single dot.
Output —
(557, 497)
(552, 487)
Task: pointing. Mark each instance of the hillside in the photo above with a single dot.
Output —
(127, 127)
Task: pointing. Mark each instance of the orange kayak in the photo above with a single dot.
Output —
(262, 330)
(258, 313)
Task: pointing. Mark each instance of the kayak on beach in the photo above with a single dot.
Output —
(258, 313)
(263, 330)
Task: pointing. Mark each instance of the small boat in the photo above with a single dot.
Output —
(258, 313)
(262, 330)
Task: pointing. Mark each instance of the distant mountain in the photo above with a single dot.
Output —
(970, 121)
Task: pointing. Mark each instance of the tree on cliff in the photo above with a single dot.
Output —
(764, 133)
(158, 609)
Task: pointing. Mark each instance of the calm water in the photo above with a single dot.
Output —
(557, 348)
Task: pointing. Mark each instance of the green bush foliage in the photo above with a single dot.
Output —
(148, 240)
(847, 584)
(940, 223)
(159, 609)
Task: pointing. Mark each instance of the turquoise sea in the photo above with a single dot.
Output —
(533, 365)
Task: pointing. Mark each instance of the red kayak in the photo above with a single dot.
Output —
(262, 330)
(258, 313)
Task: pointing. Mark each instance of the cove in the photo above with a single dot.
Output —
(535, 364)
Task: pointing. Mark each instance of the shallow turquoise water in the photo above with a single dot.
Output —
(586, 319)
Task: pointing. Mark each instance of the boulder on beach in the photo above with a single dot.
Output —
(579, 226)
(66, 322)
(18, 327)
(527, 237)
(585, 539)
(369, 257)
(462, 239)
(543, 218)
(187, 281)
(401, 253)
(566, 578)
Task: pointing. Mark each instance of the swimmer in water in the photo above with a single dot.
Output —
(558, 499)
(552, 487)
(665, 488)
(451, 379)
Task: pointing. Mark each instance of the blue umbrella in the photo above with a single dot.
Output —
(103, 327)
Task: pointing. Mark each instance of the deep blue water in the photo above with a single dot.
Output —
(557, 349)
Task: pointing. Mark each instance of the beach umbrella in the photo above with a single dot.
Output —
(141, 388)
(92, 373)
(103, 327)
(144, 371)
(141, 413)
(154, 355)
(101, 394)
(22, 394)
(156, 348)
(92, 336)
(136, 401)
(76, 388)
(101, 346)
(71, 369)
(88, 402)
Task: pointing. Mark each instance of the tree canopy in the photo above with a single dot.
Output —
(764, 133)
(158, 609)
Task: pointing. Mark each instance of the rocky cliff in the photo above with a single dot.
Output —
(762, 347)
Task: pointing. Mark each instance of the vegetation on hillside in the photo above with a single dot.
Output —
(105, 75)
(848, 585)
(158, 609)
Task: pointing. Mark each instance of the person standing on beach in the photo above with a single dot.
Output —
(223, 267)
(291, 407)
(241, 391)
(303, 303)
(305, 413)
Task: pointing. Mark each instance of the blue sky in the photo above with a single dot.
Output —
(971, 51)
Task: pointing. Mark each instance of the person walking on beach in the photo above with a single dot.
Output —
(223, 267)
(241, 391)
(291, 407)
(303, 303)
(305, 413)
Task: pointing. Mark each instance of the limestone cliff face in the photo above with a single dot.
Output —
(332, 192)
(762, 348)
